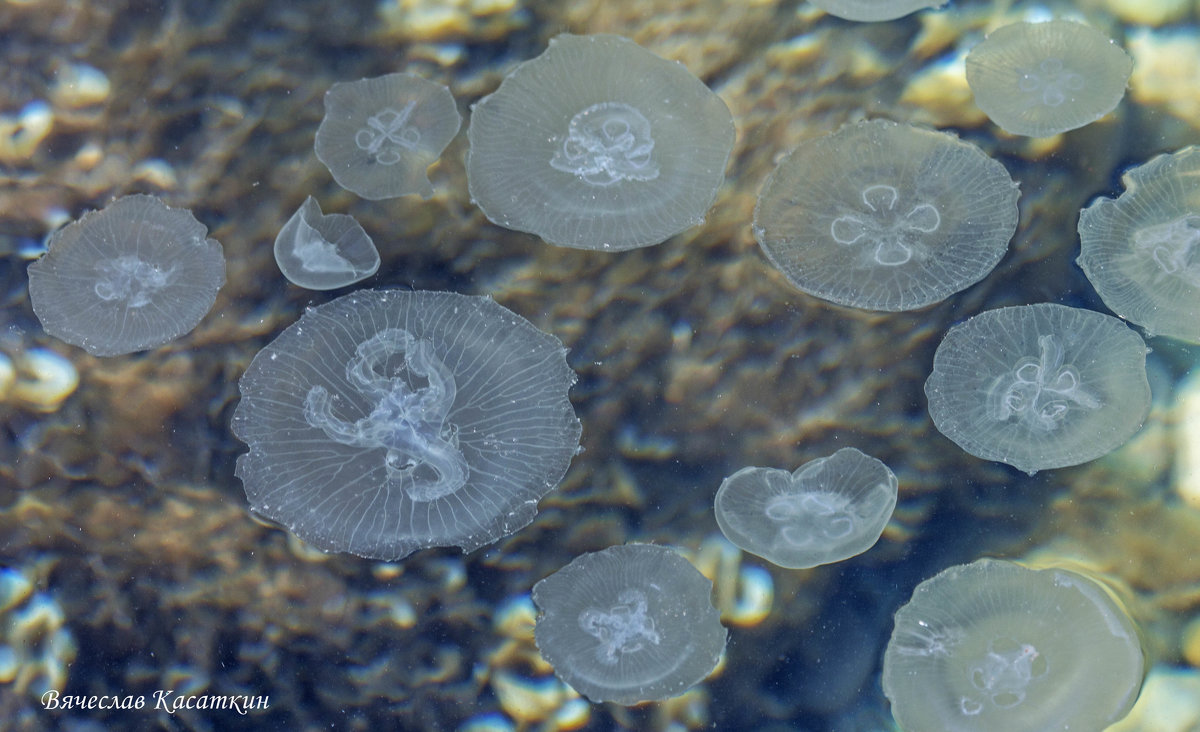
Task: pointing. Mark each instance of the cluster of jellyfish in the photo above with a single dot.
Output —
(385, 422)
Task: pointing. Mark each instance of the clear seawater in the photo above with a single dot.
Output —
(133, 567)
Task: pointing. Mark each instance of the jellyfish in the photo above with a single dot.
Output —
(827, 510)
(132, 276)
(1039, 386)
(1141, 251)
(872, 10)
(388, 421)
(380, 135)
(1040, 79)
(885, 216)
(993, 645)
(598, 144)
(629, 624)
(324, 251)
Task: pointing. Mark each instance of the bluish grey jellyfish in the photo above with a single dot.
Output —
(1040, 79)
(380, 135)
(1039, 386)
(629, 624)
(994, 647)
(885, 216)
(132, 276)
(324, 251)
(1142, 251)
(827, 510)
(598, 144)
(388, 421)
(871, 10)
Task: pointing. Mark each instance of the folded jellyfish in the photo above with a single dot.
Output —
(1142, 251)
(388, 421)
(598, 144)
(324, 251)
(872, 10)
(993, 645)
(629, 624)
(380, 135)
(885, 216)
(132, 276)
(1040, 79)
(1039, 386)
(827, 510)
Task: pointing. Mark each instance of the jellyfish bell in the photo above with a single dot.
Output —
(993, 645)
(598, 144)
(874, 10)
(1141, 251)
(629, 624)
(885, 216)
(1039, 386)
(387, 421)
(324, 251)
(380, 135)
(1040, 79)
(135, 275)
(827, 510)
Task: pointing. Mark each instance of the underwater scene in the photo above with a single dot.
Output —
(498, 365)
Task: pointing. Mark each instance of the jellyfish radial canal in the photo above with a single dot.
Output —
(407, 420)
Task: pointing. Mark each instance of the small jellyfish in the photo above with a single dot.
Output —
(872, 10)
(1039, 386)
(380, 135)
(598, 144)
(993, 645)
(324, 251)
(1040, 79)
(132, 276)
(885, 216)
(629, 624)
(827, 510)
(1141, 251)
(388, 421)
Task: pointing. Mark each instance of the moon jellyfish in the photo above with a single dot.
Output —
(324, 251)
(598, 144)
(380, 135)
(885, 216)
(827, 510)
(132, 276)
(388, 421)
(1040, 79)
(1142, 251)
(629, 624)
(1039, 386)
(872, 10)
(992, 645)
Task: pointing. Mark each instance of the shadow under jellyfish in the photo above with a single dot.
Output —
(598, 144)
(388, 421)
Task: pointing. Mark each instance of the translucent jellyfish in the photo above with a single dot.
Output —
(992, 645)
(1039, 386)
(388, 421)
(598, 144)
(324, 251)
(132, 276)
(629, 624)
(885, 216)
(827, 510)
(1040, 79)
(1142, 251)
(380, 135)
(871, 10)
